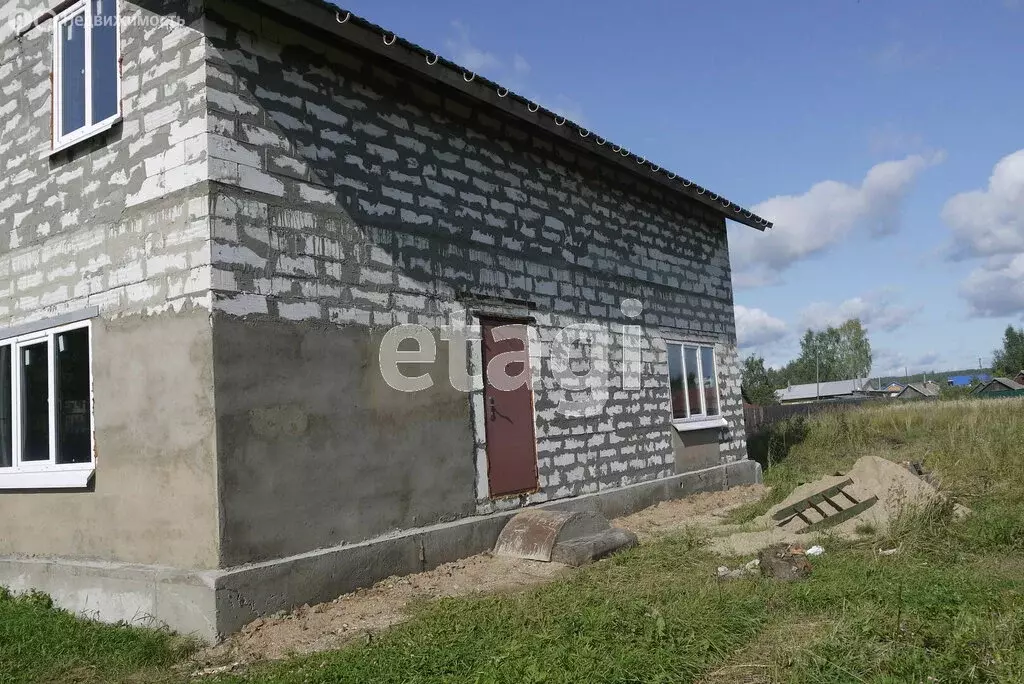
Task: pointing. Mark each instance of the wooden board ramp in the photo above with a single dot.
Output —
(824, 509)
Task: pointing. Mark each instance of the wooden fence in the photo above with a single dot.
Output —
(998, 395)
(760, 418)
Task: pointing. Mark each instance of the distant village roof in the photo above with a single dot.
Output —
(967, 380)
(925, 389)
(823, 390)
(1006, 383)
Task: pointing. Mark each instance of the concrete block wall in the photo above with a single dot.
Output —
(119, 221)
(350, 194)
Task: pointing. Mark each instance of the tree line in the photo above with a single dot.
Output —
(1008, 360)
(835, 353)
(844, 353)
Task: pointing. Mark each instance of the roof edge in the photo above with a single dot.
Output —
(369, 36)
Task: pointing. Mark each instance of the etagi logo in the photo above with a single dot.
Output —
(579, 359)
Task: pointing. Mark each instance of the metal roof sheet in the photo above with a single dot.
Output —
(838, 388)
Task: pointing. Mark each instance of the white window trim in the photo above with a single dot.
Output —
(62, 142)
(46, 474)
(689, 425)
(700, 421)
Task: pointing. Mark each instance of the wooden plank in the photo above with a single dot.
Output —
(841, 517)
(790, 511)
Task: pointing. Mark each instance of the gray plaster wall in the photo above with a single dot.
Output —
(119, 222)
(316, 450)
(153, 495)
(348, 195)
(695, 450)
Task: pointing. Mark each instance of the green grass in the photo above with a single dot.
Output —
(949, 606)
(39, 643)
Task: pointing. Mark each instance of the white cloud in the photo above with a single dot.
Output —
(997, 288)
(511, 73)
(887, 362)
(991, 221)
(755, 327)
(520, 66)
(810, 224)
(878, 311)
(989, 224)
(463, 52)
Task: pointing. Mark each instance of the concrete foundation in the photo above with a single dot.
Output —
(210, 604)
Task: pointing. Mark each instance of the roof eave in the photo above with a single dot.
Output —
(375, 39)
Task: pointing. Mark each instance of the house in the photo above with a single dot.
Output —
(889, 391)
(997, 385)
(920, 390)
(967, 380)
(840, 389)
(1019, 378)
(292, 305)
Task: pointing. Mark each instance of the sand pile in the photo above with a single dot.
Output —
(894, 486)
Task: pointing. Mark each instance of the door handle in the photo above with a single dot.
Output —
(494, 410)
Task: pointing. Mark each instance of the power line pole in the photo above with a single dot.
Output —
(817, 375)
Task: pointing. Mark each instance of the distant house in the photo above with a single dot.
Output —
(920, 390)
(996, 385)
(816, 391)
(968, 380)
(1020, 378)
(891, 390)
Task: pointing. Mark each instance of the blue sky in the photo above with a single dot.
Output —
(868, 131)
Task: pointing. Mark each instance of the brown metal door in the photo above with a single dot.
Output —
(508, 410)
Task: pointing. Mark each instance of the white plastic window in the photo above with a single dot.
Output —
(693, 378)
(86, 69)
(46, 409)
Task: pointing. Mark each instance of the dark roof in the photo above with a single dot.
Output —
(1005, 382)
(925, 389)
(380, 41)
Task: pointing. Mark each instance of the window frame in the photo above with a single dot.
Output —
(701, 420)
(60, 141)
(46, 474)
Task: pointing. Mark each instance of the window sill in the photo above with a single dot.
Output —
(82, 136)
(702, 424)
(53, 478)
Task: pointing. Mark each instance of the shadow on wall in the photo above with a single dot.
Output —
(772, 446)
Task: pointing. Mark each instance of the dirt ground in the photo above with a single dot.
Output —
(331, 625)
(701, 510)
(362, 613)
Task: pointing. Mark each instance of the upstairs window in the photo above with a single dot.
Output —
(693, 379)
(86, 71)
